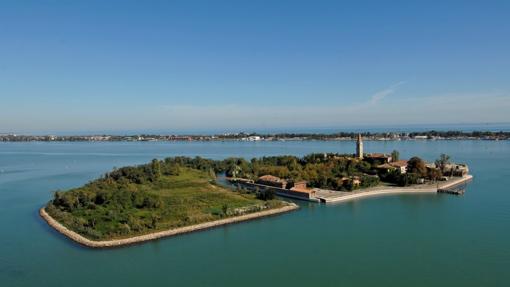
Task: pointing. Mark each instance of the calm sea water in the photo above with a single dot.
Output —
(405, 240)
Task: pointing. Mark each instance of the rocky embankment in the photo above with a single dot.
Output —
(160, 234)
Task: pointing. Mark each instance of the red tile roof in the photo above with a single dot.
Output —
(303, 190)
(399, 163)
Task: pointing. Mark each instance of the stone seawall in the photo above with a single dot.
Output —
(456, 181)
(379, 192)
(160, 234)
(416, 189)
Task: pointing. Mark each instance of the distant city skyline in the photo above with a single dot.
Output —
(78, 66)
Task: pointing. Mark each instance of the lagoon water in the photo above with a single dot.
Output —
(402, 240)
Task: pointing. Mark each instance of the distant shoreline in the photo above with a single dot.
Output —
(159, 234)
(254, 137)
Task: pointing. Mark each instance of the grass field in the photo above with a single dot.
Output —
(120, 211)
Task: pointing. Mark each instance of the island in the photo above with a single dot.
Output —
(181, 194)
(162, 198)
(333, 177)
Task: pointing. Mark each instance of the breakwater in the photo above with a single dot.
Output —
(160, 234)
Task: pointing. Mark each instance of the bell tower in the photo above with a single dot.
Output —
(359, 147)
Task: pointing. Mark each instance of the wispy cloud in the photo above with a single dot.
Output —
(480, 107)
(384, 93)
(443, 108)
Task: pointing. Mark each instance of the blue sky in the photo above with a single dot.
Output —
(199, 65)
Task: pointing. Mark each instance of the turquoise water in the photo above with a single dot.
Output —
(404, 240)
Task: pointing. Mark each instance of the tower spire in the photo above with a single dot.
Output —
(359, 147)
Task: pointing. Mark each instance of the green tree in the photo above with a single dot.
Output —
(369, 181)
(224, 209)
(407, 179)
(266, 194)
(417, 166)
(154, 220)
(156, 168)
(442, 161)
(173, 169)
(234, 170)
(395, 155)
(434, 173)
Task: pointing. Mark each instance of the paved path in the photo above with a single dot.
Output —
(330, 196)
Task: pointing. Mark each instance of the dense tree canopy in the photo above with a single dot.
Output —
(158, 195)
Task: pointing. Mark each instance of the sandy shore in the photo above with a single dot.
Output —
(156, 235)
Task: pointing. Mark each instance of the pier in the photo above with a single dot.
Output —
(457, 186)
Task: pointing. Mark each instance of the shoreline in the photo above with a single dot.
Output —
(397, 190)
(247, 141)
(159, 234)
(380, 193)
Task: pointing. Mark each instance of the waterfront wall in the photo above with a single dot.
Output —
(456, 181)
(279, 191)
(378, 193)
(398, 190)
